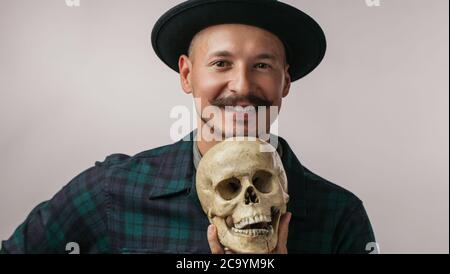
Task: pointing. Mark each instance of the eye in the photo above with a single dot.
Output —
(229, 188)
(262, 181)
(221, 63)
(262, 66)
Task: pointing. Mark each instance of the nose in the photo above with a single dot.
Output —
(241, 82)
(250, 196)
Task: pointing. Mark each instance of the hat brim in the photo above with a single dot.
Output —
(303, 38)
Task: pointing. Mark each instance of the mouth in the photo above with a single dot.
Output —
(245, 109)
(240, 114)
(258, 225)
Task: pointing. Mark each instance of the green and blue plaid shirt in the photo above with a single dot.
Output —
(147, 203)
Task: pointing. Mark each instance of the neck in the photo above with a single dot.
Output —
(207, 140)
(205, 144)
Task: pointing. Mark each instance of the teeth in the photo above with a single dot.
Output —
(241, 224)
(253, 232)
(252, 220)
(246, 109)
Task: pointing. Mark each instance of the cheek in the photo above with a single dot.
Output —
(207, 86)
(272, 88)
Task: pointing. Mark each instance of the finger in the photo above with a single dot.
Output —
(213, 241)
(228, 251)
(283, 231)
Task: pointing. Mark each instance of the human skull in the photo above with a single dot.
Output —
(243, 191)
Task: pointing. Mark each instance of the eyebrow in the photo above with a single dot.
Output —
(220, 53)
(225, 53)
(266, 56)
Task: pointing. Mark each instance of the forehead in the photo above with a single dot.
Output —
(241, 154)
(228, 164)
(237, 37)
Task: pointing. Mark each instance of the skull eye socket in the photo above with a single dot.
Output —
(229, 188)
(262, 181)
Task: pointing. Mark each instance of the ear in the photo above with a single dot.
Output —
(287, 81)
(185, 69)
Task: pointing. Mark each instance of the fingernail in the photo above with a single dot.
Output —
(289, 216)
(211, 229)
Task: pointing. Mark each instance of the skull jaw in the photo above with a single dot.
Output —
(246, 244)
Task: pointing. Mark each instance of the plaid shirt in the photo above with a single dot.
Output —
(148, 204)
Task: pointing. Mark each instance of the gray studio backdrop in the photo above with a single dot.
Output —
(80, 82)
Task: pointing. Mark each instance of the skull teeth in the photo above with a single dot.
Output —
(253, 232)
(253, 220)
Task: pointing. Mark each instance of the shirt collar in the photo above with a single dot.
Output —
(197, 156)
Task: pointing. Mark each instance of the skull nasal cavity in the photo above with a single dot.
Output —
(250, 196)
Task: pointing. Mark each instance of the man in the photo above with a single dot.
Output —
(240, 53)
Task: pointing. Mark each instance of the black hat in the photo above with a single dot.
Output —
(302, 37)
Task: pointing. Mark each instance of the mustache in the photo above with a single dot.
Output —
(234, 100)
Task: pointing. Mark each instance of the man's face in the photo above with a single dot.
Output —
(235, 65)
